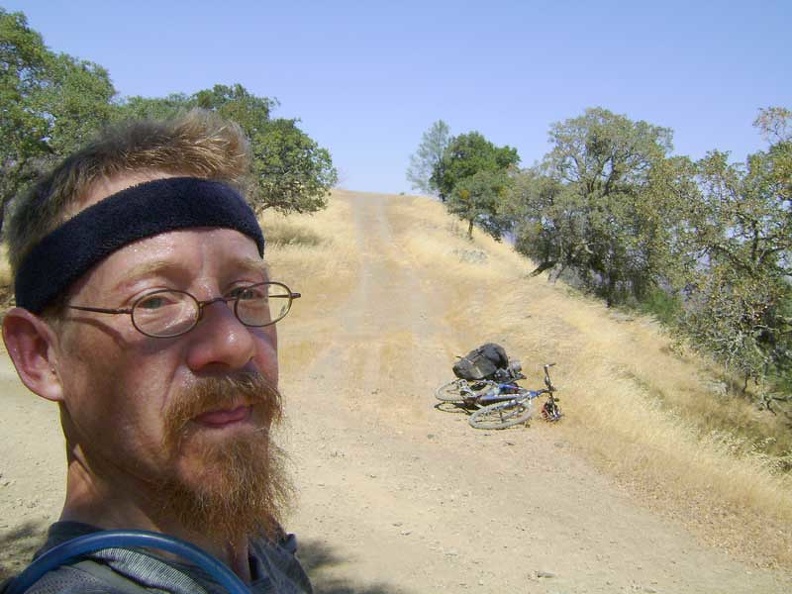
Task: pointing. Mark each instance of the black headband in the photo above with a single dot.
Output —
(140, 211)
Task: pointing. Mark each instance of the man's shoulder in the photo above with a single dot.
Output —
(86, 577)
(115, 570)
(121, 571)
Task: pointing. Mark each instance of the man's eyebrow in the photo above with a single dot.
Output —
(145, 269)
(254, 265)
(155, 267)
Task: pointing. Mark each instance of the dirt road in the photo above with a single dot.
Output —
(397, 497)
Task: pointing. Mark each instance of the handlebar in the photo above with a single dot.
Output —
(547, 380)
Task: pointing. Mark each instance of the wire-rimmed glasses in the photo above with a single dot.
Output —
(167, 313)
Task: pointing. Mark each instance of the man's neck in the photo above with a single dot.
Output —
(130, 507)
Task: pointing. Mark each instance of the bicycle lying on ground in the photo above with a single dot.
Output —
(475, 393)
(498, 405)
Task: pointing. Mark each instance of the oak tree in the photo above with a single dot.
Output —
(50, 104)
(472, 179)
(586, 209)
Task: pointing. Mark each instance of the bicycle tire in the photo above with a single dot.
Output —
(550, 412)
(451, 392)
(502, 415)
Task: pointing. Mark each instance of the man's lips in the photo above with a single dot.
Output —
(220, 418)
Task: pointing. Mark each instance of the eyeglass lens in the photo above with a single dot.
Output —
(169, 313)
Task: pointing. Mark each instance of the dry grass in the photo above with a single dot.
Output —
(637, 407)
(309, 254)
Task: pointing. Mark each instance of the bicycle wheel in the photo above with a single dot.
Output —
(551, 412)
(454, 391)
(502, 415)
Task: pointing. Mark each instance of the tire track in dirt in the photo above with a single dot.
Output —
(386, 310)
(389, 309)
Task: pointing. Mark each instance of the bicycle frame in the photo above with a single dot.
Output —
(508, 410)
(506, 392)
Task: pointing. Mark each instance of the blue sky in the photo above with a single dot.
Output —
(367, 78)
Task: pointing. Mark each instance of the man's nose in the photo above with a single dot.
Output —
(220, 339)
(229, 301)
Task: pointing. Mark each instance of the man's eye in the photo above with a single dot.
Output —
(248, 293)
(156, 301)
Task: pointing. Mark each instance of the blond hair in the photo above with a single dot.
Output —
(198, 143)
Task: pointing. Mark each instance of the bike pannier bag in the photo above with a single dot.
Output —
(482, 363)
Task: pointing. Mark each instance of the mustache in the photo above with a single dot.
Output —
(214, 392)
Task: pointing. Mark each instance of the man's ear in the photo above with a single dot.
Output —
(31, 343)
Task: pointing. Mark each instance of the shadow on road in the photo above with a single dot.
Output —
(316, 557)
(18, 545)
(455, 407)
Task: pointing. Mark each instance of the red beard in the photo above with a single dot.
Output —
(232, 486)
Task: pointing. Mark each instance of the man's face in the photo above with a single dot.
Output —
(174, 417)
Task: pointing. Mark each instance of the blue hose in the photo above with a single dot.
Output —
(77, 547)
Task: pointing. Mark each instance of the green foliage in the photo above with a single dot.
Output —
(743, 321)
(663, 304)
(428, 156)
(50, 103)
(156, 108)
(593, 208)
(23, 126)
(480, 199)
(80, 102)
(775, 124)
(291, 172)
(53, 103)
(467, 155)
(237, 104)
(740, 232)
(473, 178)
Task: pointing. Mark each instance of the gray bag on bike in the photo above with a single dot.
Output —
(482, 363)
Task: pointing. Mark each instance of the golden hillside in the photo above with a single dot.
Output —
(650, 415)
